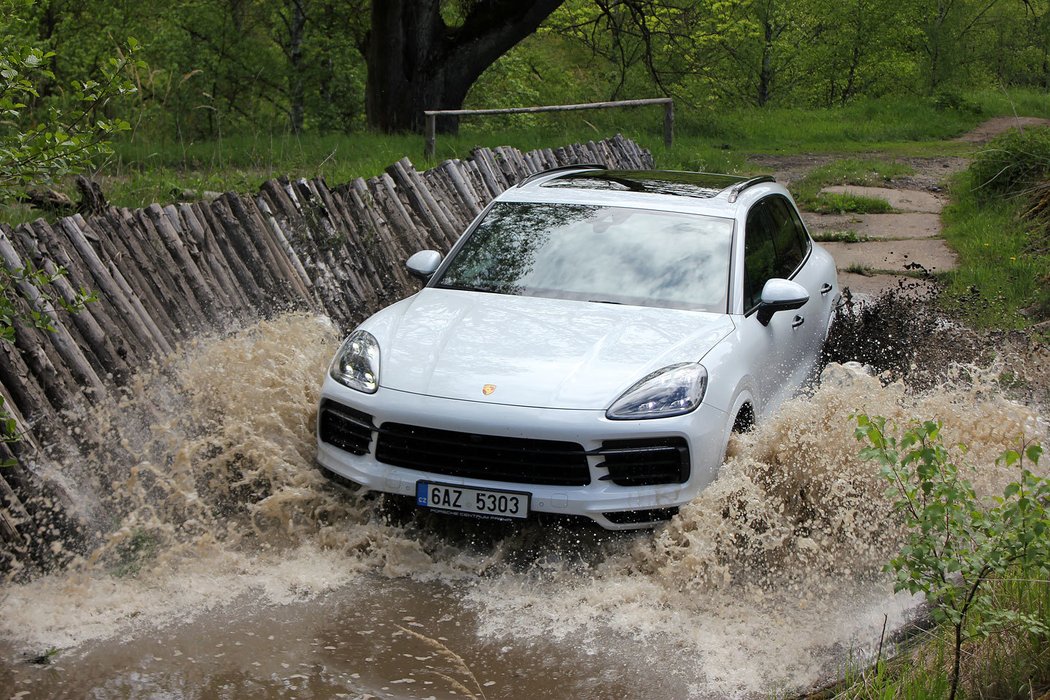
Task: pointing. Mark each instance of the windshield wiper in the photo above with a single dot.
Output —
(464, 288)
(605, 301)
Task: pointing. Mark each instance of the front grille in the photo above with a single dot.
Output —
(345, 427)
(646, 462)
(517, 460)
(636, 517)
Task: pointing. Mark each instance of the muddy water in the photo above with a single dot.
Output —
(220, 563)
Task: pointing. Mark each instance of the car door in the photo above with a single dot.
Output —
(813, 268)
(774, 246)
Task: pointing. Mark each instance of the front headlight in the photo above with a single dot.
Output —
(670, 391)
(356, 365)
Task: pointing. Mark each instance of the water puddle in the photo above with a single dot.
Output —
(219, 563)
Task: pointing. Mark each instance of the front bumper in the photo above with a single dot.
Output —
(705, 430)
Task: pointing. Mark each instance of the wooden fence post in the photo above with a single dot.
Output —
(668, 123)
(431, 135)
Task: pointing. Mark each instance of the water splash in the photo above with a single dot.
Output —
(200, 490)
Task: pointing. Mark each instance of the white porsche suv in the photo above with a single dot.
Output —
(586, 348)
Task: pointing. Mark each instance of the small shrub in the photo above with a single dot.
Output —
(951, 101)
(1012, 163)
(957, 543)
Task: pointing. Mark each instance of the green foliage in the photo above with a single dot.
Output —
(13, 306)
(133, 553)
(214, 69)
(848, 236)
(1000, 280)
(857, 268)
(847, 203)
(1000, 228)
(951, 100)
(810, 52)
(849, 171)
(956, 541)
(1007, 663)
(1012, 163)
(35, 151)
(143, 172)
(1024, 101)
(38, 147)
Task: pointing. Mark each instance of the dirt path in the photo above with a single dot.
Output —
(877, 252)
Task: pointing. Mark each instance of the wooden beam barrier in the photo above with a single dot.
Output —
(430, 133)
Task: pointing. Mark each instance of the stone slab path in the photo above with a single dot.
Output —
(894, 249)
(901, 200)
(897, 226)
(891, 249)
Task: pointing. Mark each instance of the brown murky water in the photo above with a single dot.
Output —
(224, 565)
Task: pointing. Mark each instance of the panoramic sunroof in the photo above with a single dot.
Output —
(681, 184)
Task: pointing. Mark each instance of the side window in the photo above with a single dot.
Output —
(760, 254)
(787, 236)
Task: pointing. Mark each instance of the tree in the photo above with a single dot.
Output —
(417, 60)
(674, 44)
(948, 40)
(63, 138)
(37, 149)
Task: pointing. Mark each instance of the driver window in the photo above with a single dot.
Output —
(760, 255)
(788, 236)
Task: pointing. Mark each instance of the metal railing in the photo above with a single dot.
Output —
(432, 115)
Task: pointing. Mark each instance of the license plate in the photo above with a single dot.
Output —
(463, 499)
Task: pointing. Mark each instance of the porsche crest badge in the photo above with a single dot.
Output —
(488, 389)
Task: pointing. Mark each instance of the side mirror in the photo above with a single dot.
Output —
(423, 264)
(780, 295)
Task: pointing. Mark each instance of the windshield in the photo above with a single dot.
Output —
(597, 253)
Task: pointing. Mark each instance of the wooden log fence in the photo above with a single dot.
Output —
(165, 273)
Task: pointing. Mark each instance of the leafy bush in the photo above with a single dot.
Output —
(957, 542)
(950, 100)
(1013, 163)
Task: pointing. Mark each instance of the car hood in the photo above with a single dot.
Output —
(530, 351)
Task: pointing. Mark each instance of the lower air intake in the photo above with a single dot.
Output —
(646, 462)
(344, 427)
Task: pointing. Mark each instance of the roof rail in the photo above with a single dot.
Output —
(739, 187)
(570, 166)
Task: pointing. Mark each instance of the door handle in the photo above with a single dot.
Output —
(825, 288)
(797, 322)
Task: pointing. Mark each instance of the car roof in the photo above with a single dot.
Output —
(715, 193)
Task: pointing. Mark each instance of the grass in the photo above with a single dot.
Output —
(848, 236)
(857, 268)
(847, 203)
(866, 172)
(147, 169)
(1002, 277)
(1011, 661)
